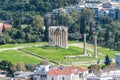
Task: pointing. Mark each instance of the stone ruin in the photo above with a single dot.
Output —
(58, 36)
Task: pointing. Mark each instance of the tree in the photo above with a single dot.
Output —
(30, 67)
(107, 60)
(87, 16)
(83, 26)
(38, 22)
(44, 62)
(105, 20)
(28, 29)
(3, 30)
(116, 37)
(91, 31)
(65, 19)
(29, 38)
(19, 35)
(6, 66)
(20, 67)
(48, 22)
(2, 40)
(19, 23)
(107, 35)
(94, 68)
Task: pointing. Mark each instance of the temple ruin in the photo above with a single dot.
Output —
(95, 46)
(58, 36)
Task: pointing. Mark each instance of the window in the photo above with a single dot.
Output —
(52, 78)
(63, 78)
(80, 75)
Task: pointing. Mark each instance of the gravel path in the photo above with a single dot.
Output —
(16, 48)
(81, 46)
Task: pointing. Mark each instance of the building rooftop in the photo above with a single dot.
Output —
(6, 25)
(66, 70)
(22, 74)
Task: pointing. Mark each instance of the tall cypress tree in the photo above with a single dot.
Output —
(116, 37)
(107, 35)
(107, 60)
(3, 30)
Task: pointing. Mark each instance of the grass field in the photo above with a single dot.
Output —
(16, 56)
(56, 54)
(104, 51)
(21, 45)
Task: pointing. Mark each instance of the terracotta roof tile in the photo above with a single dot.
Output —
(59, 72)
(66, 71)
(6, 26)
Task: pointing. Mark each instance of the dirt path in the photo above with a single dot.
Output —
(81, 46)
(86, 63)
(16, 48)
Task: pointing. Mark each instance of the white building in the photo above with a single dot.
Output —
(107, 5)
(23, 75)
(56, 74)
(67, 73)
(93, 5)
(114, 13)
(79, 7)
(112, 75)
(2, 73)
(102, 12)
(40, 72)
(115, 0)
(117, 60)
(99, 0)
(59, 73)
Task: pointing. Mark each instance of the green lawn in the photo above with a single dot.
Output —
(16, 56)
(104, 51)
(56, 54)
(73, 41)
(20, 45)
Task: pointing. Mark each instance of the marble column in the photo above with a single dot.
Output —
(66, 37)
(63, 38)
(59, 32)
(53, 37)
(95, 46)
(84, 44)
(49, 37)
